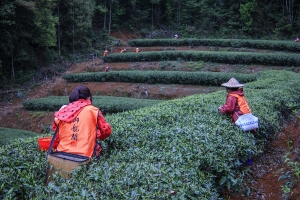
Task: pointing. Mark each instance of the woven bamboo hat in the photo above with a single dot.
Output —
(233, 83)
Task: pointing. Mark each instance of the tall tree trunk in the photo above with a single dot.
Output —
(12, 66)
(152, 15)
(109, 18)
(58, 31)
(73, 41)
(104, 22)
(178, 13)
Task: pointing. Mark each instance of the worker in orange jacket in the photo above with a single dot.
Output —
(123, 50)
(80, 125)
(236, 103)
(105, 53)
(137, 50)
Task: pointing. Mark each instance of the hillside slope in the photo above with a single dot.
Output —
(265, 170)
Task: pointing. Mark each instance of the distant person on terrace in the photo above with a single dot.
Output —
(123, 50)
(79, 125)
(175, 36)
(137, 50)
(297, 39)
(105, 53)
(236, 103)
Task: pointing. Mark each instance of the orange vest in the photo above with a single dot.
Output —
(79, 136)
(242, 102)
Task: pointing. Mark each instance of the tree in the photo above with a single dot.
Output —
(246, 11)
(76, 23)
(45, 22)
(7, 22)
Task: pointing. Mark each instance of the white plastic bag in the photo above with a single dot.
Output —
(247, 122)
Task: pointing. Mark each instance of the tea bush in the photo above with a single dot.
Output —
(277, 59)
(178, 149)
(277, 45)
(8, 134)
(107, 104)
(163, 77)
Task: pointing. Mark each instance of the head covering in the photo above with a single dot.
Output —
(233, 83)
(69, 112)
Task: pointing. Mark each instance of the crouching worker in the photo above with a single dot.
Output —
(79, 125)
(236, 103)
(123, 50)
(105, 53)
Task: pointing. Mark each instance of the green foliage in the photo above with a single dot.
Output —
(276, 45)
(106, 104)
(247, 11)
(8, 135)
(182, 148)
(165, 77)
(277, 59)
(45, 34)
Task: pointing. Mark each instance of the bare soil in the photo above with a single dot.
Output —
(265, 170)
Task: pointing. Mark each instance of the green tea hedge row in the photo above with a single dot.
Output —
(277, 59)
(277, 45)
(8, 134)
(178, 149)
(107, 104)
(162, 77)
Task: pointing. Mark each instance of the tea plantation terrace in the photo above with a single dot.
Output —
(182, 145)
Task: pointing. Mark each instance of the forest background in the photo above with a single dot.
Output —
(38, 38)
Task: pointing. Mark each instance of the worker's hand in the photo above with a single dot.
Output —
(220, 108)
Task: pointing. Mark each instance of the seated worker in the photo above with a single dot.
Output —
(79, 125)
(123, 50)
(236, 103)
(105, 53)
(137, 50)
(176, 36)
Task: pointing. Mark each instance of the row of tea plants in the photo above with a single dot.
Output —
(107, 104)
(277, 59)
(177, 149)
(160, 77)
(276, 45)
(8, 134)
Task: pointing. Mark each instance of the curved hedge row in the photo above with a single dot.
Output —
(107, 104)
(14, 133)
(279, 59)
(235, 43)
(162, 77)
(182, 149)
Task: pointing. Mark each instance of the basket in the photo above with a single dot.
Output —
(64, 163)
(44, 143)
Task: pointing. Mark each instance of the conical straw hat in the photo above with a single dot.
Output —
(233, 83)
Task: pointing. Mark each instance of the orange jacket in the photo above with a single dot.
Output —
(79, 136)
(105, 54)
(242, 102)
(235, 105)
